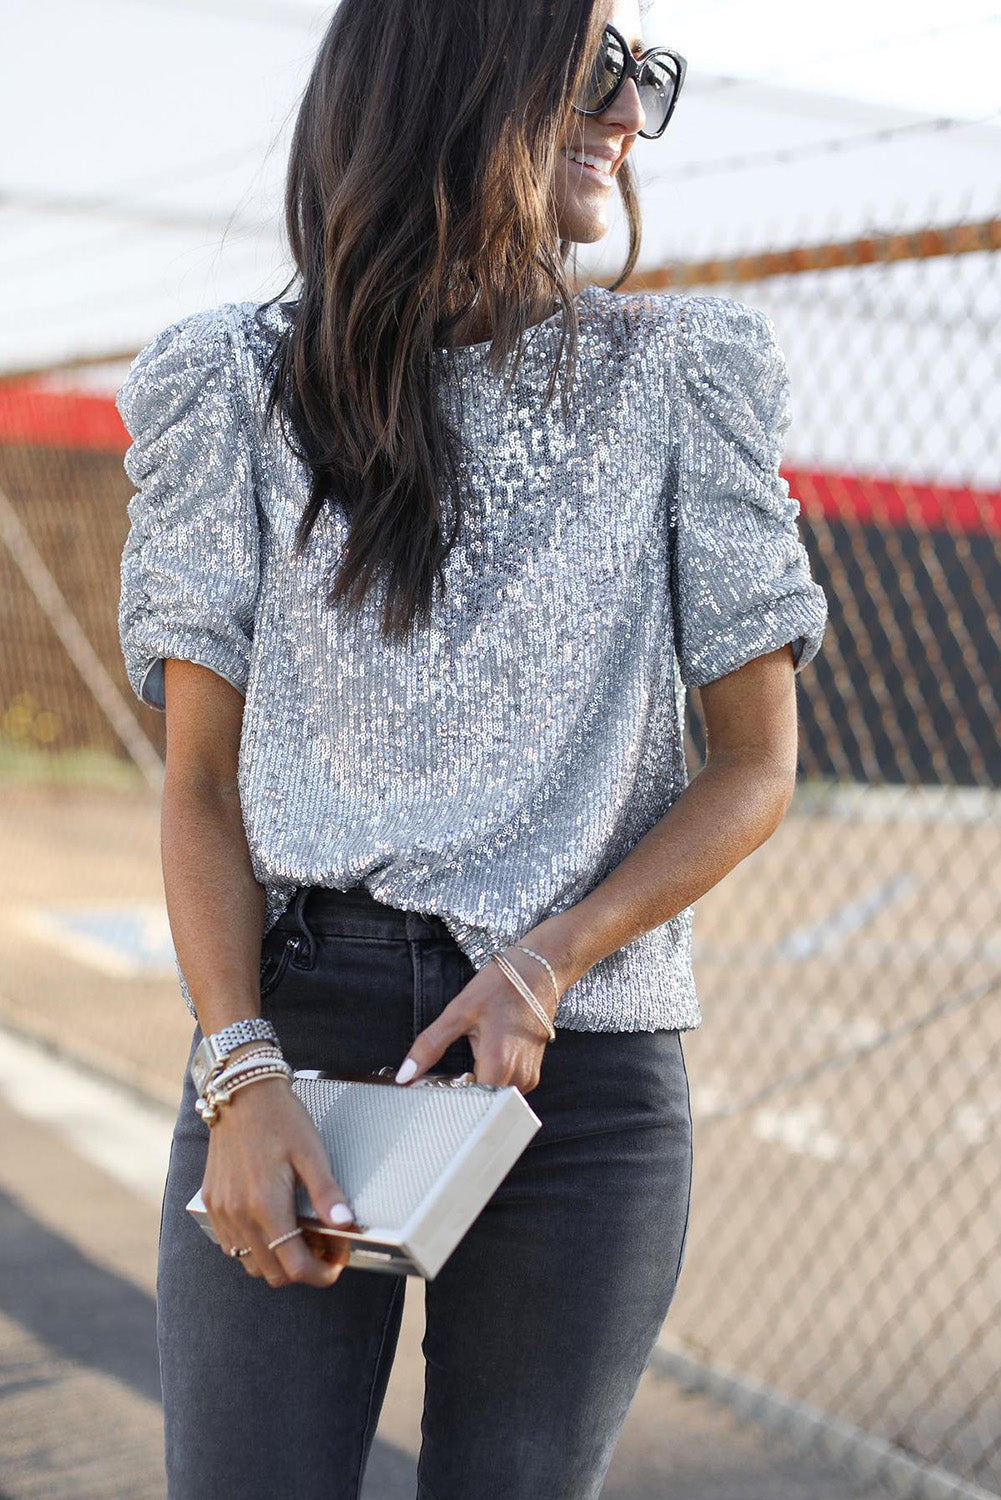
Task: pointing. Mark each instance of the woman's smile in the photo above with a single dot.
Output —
(594, 167)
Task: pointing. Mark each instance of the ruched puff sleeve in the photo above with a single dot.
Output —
(741, 577)
(189, 567)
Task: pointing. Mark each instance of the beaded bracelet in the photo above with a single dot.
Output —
(268, 1052)
(209, 1107)
(250, 1065)
(236, 1078)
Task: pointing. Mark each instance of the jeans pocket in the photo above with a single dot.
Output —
(275, 958)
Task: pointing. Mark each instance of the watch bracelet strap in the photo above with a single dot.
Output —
(213, 1051)
(251, 1029)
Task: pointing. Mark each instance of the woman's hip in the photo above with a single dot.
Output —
(348, 982)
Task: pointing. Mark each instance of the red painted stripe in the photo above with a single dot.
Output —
(59, 419)
(892, 503)
(32, 415)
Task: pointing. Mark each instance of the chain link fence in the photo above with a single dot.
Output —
(845, 1089)
(843, 1247)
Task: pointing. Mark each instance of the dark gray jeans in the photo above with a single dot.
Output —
(538, 1326)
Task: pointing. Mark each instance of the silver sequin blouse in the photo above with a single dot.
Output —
(496, 771)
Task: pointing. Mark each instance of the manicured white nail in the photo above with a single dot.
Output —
(341, 1214)
(407, 1071)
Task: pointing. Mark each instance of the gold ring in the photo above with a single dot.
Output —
(290, 1235)
(237, 1250)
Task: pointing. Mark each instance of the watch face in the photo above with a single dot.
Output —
(202, 1063)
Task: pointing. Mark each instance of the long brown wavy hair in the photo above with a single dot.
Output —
(419, 186)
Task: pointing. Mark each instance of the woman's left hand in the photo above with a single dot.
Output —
(507, 1037)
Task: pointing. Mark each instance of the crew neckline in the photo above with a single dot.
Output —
(553, 320)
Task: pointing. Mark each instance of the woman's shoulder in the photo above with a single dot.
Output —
(684, 335)
(205, 334)
(719, 353)
(212, 334)
(210, 348)
(696, 317)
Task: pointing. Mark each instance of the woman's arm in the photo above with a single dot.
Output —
(263, 1139)
(214, 903)
(730, 807)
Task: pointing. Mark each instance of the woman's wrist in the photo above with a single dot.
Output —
(235, 1078)
(265, 1096)
(559, 939)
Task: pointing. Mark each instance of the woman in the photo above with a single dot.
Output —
(422, 637)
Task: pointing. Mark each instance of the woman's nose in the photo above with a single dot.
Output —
(626, 110)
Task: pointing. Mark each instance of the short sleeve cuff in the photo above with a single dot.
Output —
(799, 622)
(147, 676)
(190, 566)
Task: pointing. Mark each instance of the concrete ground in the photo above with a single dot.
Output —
(81, 1164)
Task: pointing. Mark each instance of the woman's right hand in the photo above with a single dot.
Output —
(261, 1142)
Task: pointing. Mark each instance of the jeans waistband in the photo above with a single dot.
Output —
(355, 912)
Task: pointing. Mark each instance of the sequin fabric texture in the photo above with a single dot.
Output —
(496, 768)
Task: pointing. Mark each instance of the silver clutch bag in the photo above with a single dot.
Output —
(417, 1162)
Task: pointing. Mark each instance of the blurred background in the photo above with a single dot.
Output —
(836, 1327)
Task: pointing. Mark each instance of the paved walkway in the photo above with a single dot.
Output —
(79, 1400)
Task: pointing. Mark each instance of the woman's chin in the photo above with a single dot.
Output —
(584, 216)
(586, 227)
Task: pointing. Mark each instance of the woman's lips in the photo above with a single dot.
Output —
(604, 178)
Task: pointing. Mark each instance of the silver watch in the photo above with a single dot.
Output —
(213, 1050)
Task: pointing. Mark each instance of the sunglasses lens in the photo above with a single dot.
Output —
(605, 74)
(658, 85)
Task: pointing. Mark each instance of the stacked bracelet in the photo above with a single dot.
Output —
(248, 1065)
(242, 1073)
(214, 1050)
(507, 968)
(265, 1049)
(549, 968)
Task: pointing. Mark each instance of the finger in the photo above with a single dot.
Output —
(429, 1045)
(300, 1264)
(267, 1262)
(290, 1260)
(228, 1235)
(247, 1262)
(531, 1078)
(328, 1247)
(325, 1193)
(505, 1061)
(246, 1226)
(494, 1062)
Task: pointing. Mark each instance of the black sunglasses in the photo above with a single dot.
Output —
(659, 75)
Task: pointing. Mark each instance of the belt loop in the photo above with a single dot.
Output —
(415, 926)
(306, 954)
